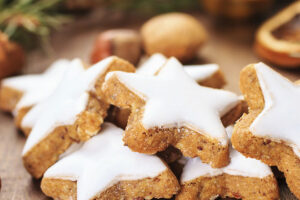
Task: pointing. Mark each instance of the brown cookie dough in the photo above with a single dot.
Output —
(46, 152)
(273, 153)
(153, 140)
(106, 169)
(239, 187)
(9, 98)
(162, 186)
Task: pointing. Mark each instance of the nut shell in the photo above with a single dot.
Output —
(124, 43)
(12, 57)
(174, 34)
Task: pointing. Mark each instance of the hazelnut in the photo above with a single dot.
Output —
(174, 34)
(12, 57)
(278, 39)
(124, 43)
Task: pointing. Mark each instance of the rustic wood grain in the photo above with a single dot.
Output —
(229, 45)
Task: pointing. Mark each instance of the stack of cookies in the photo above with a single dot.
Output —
(163, 130)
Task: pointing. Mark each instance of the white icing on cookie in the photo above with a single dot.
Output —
(102, 162)
(201, 72)
(197, 72)
(239, 166)
(280, 118)
(152, 64)
(173, 99)
(65, 103)
(36, 88)
(74, 147)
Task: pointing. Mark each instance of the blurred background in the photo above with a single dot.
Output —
(40, 31)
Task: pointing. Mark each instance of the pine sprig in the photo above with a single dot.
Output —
(28, 20)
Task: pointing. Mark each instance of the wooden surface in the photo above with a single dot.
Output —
(230, 46)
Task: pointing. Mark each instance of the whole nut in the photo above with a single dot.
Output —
(174, 34)
(124, 43)
(12, 57)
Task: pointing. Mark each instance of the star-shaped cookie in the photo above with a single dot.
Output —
(172, 109)
(208, 75)
(73, 112)
(103, 168)
(270, 132)
(18, 94)
(243, 178)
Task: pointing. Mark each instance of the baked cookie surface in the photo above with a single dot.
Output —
(270, 131)
(208, 75)
(73, 113)
(172, 109)
(18, 94)
(243, 178)
(103, 168)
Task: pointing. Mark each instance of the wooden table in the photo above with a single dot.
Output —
(230, 46)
